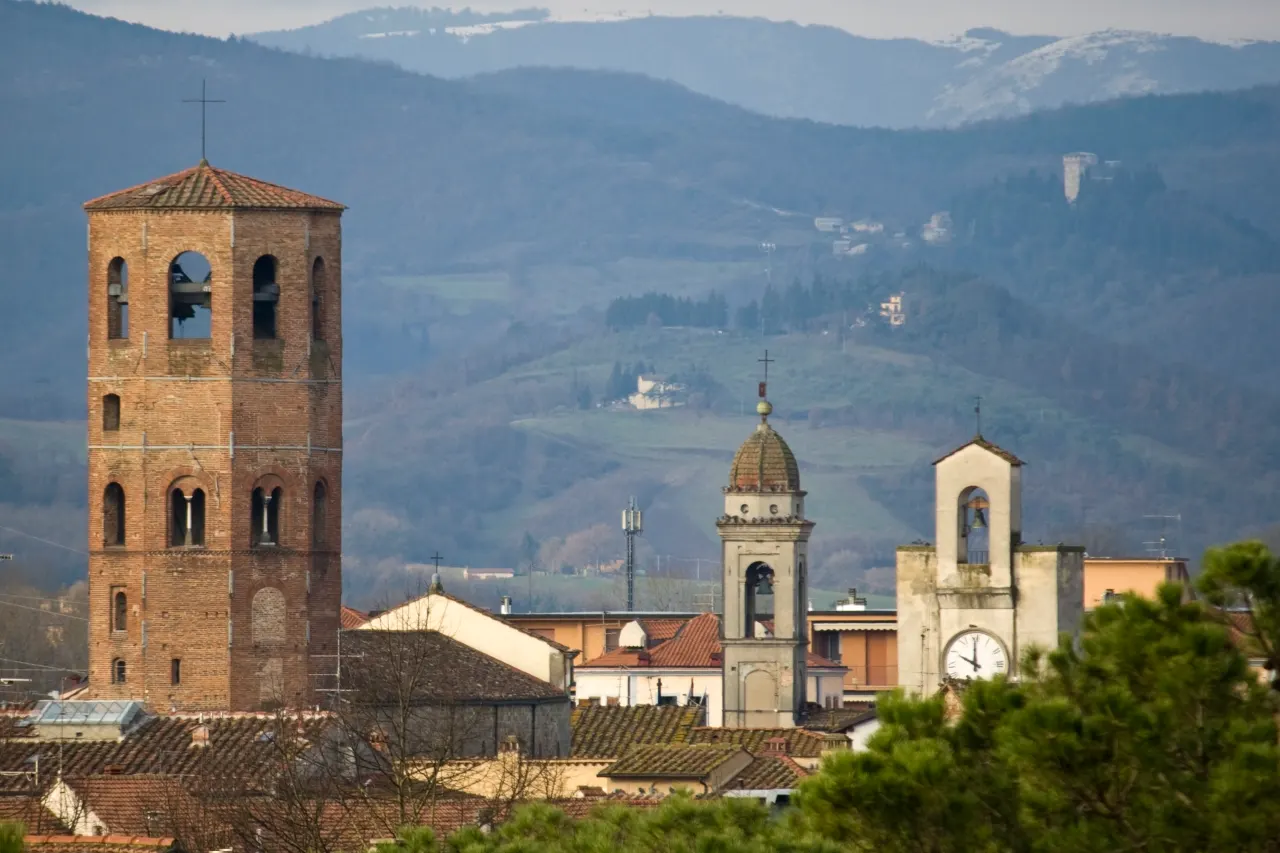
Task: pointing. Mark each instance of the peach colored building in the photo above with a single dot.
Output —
(1106, 576)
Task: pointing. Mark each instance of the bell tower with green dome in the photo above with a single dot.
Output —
(764, 551)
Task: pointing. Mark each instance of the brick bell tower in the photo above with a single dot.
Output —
(215, 442)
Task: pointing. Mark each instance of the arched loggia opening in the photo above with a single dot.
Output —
(118, 299)
(264, 521)
(757, 598)
(317, 299)
(266, 296)
(113, 526)
(974, 512)
(186, 525)
(190, 297)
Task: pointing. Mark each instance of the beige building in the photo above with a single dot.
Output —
(1074, 168)
(1105, 577)
(487, 633)
(971, 612)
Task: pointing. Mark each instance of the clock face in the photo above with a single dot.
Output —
(975, 654)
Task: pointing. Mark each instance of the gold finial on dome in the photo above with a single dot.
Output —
(764, 408)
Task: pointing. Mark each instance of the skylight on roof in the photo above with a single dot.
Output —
(53, 712)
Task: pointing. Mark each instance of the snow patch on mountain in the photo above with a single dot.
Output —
(466, 34)
(1079, 68)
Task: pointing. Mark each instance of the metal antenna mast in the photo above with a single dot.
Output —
(632, 524)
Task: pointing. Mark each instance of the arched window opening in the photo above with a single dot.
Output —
(111, 412)
(319, 514)
(190, 297)
(264, 522)
(119, 611)
(317, 299)
(113, 515)
(266, 296)
(186, 527)
(975, 518)
(758, 597)
(118, 671)
(118, 299)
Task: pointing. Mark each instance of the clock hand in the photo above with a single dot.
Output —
(973, 660)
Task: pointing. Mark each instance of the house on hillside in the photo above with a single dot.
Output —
(656, 392)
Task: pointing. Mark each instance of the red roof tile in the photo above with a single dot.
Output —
(985, 445)
(768, 773)
(203, 187)
(694, 646)
(352, 618)
(95, 844)
(608, 732)
(797, 743)
(673, 761)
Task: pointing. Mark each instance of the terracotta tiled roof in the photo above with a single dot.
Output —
(813, 660)
(448, 671)
(671, 761)
(29, 811)
(695, 645)
(352, 618)
(764, 463)
(203, 187)
(838, 719)
(660, 630)
(237, 745)
(768, 773)
(144, 804)
(604, 732)
(95, 844)
(985, 445)
(800, 743)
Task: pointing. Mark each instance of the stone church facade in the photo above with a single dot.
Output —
(214, 442)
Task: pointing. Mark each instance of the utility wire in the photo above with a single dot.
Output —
(42, 666)
(45, 541)
(42, 610)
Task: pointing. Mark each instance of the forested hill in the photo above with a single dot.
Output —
(492, 221)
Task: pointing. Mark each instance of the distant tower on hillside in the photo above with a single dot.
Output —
(1074, 168)
(215, 442)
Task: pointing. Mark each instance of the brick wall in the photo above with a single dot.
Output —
(223, 415)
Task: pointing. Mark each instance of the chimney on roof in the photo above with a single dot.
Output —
(200, 735)
(775, 746)
(506, 605)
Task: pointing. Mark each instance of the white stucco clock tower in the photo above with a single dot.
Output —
(970, 605)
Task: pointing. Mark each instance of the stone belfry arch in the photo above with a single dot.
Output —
(764, 553)
(214, 442)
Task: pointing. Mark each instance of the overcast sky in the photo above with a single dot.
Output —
(1214, 19)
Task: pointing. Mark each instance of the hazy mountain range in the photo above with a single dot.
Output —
(794, 71)
(1124, 345)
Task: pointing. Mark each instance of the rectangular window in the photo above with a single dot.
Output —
(828, 645)
(611, 638)
(175, 671)
(544, 633)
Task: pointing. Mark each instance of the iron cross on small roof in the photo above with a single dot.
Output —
(204, 102)
(766, 361)
(436, 557)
